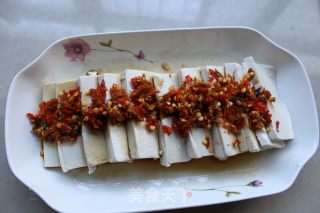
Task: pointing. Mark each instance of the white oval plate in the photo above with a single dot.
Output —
(145, 185)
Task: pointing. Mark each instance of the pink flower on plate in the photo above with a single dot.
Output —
(76, 49)
(255, 183)
(140, 55)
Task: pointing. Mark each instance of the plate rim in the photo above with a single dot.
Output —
(185, 205)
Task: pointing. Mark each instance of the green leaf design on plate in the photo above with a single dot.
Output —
(106, 44)
(229, 194)
(254, 183)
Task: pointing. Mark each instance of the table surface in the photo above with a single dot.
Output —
(28, 27)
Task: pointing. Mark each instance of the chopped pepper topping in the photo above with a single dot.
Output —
(95, 116)
(166, 129)
(223, 101)
(144, 101)
(119, 105)
(227, 92)
(206, 142)
(236, 143)
(58, 120)
(45, 120)
(68, 127)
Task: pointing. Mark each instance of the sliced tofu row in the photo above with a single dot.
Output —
(94, 147)
(94, 143)
(262, 135)
(122, 143)
(249, 134)
(115, 135)
(281, 127)
(142, 143)
(223, 140)
(172, 146)
(67, 155)
(50, 150)
(195, 146)
(249, 140)
(71, 155)
(232, 69)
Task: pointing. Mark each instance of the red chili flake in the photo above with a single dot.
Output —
(165, 102)
(206, 142)
(119, 105)
(122, 101)
(192, 99)
(236, 143)
(183, 126)
(95, 116)
(151, 124)
(188, 79)
(214, 75)
(277, 125)
(166, 129)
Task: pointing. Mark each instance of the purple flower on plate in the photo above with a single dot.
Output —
(140, 56)
(76, 49)
(255, 183)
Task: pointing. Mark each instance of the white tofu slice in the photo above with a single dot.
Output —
(71, 155)
(232, 69)
(94, 144)
(285, 131)
(173, 146)
(50, 150)
(218, 150)
(251, 139)
(262, 134)
(278, 110)
(195, 147)
(227, 138)
(115, 135)
(142, 143)
(265, 76)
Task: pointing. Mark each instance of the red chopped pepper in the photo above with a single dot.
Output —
(68, 127)
(119, 105)
(45, 119)
(95, 116)
(189, 105)
(223, 101)
(144, 101)
(188, 79)
(58, 120)
(166, 129)
(236, 143)
(206, 142)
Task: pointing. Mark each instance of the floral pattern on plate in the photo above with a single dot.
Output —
(77, 49)
(255, 183)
